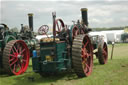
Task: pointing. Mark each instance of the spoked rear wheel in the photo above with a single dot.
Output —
(82, 55)
(16, 57)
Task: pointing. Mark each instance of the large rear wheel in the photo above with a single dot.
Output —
(82, 55)
(16, 57)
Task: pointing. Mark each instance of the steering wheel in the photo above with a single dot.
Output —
(43, 29)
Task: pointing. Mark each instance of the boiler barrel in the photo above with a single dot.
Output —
(84, 16)
(30, 20)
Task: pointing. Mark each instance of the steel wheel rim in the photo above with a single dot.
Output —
(87, 56)
(19, 57)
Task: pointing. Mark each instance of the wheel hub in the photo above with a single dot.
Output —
(19, 56)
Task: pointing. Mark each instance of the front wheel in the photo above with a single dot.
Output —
(103, 53)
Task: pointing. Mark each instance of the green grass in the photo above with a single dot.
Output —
(115, 72)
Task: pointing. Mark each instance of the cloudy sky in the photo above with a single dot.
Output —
(105, 13)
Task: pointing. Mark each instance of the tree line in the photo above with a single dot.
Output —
(110, 28)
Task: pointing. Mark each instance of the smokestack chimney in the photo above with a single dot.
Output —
(22, 30)
(30, 21)
(84, 16)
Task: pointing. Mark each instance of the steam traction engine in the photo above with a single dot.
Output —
(27, 34)
(69, 49)
(14, 48)
(14, 54)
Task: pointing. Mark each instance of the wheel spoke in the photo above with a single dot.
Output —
(15, 49)
(18, 47)
(88, 68)
(13, 58)
(84, 53)
(23, 60)
(12, 51)
(45, 29)
(86, 44)
(83, 62)
(22, 51)
(12, 55)
(14, 69)
(13, 62)
(87, 55)
(58, 26)
(19, 65)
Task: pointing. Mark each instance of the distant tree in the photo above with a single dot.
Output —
(124, 37)
(111, 28)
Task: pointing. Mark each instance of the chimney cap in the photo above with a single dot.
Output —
(30, 14)
(84, 9)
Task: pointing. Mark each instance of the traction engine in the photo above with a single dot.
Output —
(14, 53)
(69, 49)
(16, 48)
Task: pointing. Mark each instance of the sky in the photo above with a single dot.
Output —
(101, 13)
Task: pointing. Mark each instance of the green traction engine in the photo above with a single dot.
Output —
(5, 37)
(16, 48)
(68, 48)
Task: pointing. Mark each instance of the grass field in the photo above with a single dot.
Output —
(115, 72)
